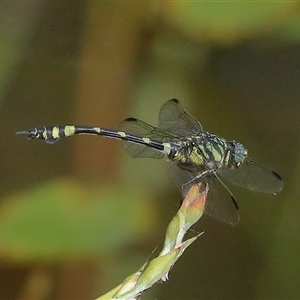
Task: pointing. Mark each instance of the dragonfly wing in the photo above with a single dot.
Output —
(135, 150)
(172, 117)
(220, 203)
(254, 177)
(181, 175)
(137, 127)
(174, 122)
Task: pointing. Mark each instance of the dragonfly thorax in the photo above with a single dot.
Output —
(209, 151)
(204, 150)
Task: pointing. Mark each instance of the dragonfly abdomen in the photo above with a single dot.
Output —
(52, 134)
(49, 134)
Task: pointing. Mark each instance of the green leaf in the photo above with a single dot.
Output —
(61, 219)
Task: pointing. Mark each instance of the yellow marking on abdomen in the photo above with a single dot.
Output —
(122, 134)
(146, 140)
(97, 129)
(167, 148)
(69, 130)
(44, 134)
(55, 133)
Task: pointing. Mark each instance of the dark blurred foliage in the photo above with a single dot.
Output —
(79, 216)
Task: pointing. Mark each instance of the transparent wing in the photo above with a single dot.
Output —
(172, 117)
(254, 177)
(174, 122)
(220, 203)
(143, 129)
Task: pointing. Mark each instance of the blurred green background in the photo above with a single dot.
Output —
(79, 216)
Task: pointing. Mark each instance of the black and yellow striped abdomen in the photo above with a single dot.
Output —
(52, 134)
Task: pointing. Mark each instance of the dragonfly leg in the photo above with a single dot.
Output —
(198, 177)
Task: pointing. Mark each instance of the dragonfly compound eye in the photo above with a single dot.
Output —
(239, 154)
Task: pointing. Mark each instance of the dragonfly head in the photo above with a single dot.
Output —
(238, 154)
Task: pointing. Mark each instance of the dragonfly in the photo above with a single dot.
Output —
(195, 156)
